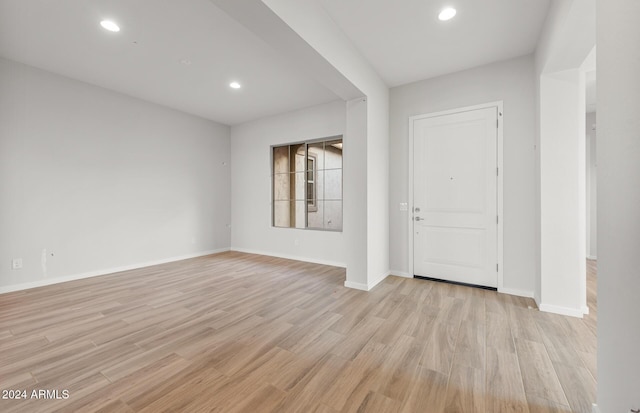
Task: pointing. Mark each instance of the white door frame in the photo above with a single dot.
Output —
(412, 119)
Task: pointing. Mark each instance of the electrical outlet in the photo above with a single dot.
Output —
(404, 206)
(16, 263)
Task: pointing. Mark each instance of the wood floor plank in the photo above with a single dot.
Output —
(591, 363)
(540, 405)
(440, 348)
(427, 393)
(236, 332)
(376, 402)
(466, 390)
(323, 408)
(358, 338)
(578, 385)
(505, 390)
(499, 333)
(471, 345)
(539, 376)
(523, 325)
(358, 374)
(265, 399)
(116, 406)
(320, 378)
(397, 384)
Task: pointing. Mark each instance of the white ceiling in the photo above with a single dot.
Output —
(143, 59)
(405, 41)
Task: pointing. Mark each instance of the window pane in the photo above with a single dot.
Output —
(281, 187)
(332, 215)
(281, 159)
(319, 185)
(300, 164)
(315, 216)
(289, 214)
(311, 168)
(333, 154)
(298, 215)
(282, 213)
(316, 151)
(311, 196)
(298, 188)
(333, 184)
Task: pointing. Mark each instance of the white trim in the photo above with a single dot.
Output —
(357, 286)
(410, 205)
(500, 194)
(595, 408)
(368, 286)
(592, 257)
(291, 257)
(585, 309)
(500, 181)
(97, 273)
(556, 309)
(401, 274)
(513, 291)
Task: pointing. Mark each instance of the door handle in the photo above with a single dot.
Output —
(418, 219)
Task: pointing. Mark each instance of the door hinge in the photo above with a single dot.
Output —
(497, 123)
(496, 267)
(496, 219)
(497, 171)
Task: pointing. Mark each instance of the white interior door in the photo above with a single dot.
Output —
(455, 197)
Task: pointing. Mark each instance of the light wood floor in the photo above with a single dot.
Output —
(243, 333)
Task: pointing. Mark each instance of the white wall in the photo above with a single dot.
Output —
(251, 185)
(566, 41)
(618, 94)
(355, 194)
(562, 193)
(556, 17)
(592, 187)
(511, 81)
(101, 180)
(309, 20)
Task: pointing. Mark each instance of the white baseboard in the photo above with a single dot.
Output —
(595, 408)
(592, 257)
(536, 298)
(401, 274)
(369, 286)
(291, 257)
(556, 309)
(585, 309)
(514, 291)
(97, 273)
(357, 286)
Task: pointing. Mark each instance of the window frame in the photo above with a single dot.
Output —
(272, 175)
(313, 205)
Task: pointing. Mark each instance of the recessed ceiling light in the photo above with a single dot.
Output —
(447, 14)
(109, 25)
(185, 62)
(235, 85)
